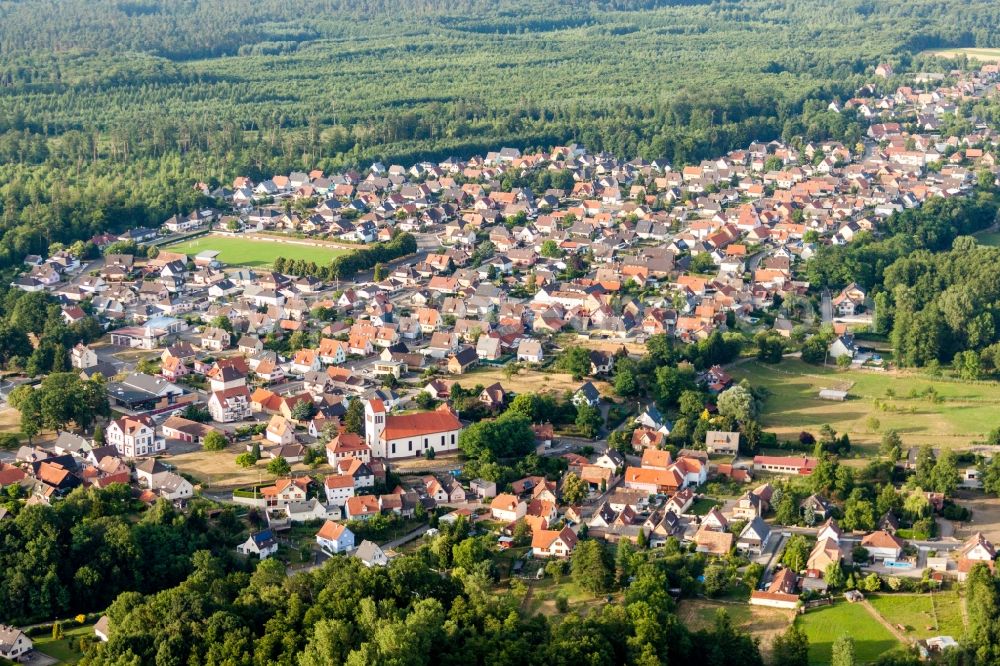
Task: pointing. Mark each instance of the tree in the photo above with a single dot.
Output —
(787, 509)
(246, 460)
(843, 651)
(255, 451)
(790, 648)
(279, 466)
(717, 579)
(770, 346)
(625, 382)
(380, 272)
(859, 513)
(588, 420)
(214, 441)
(796, 553)
(574, 489)
(834, 576)
(737, 403)
(703, 263)
(223, 322)
(945, 476)
(551, 249)
(925, 467)
(591, 567)
(354, 419)
(303, 410)
(891, 446)
(576, 361)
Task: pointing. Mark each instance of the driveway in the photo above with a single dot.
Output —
(826, 307)
(37, 658)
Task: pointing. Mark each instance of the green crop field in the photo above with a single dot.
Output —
(976, 54)
(255, 253)
(966, 410)
(826, 624)
(923, 615)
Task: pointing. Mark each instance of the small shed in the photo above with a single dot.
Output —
(833, 394)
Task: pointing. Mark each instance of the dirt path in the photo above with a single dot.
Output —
(885, 623)
(526, 602)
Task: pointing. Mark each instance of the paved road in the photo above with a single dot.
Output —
(826, 307)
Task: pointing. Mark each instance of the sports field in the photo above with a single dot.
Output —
(964, 412)
(826, 624)
(256, 253)
(982, 55)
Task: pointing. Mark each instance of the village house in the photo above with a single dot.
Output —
(262, 544)
(335, 538)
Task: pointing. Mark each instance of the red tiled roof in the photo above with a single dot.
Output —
(398, 426)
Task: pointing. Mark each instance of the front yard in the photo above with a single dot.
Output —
(65, 648)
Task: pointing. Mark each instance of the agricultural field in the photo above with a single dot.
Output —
(976, 54)
(256, 253)
(965, 412)
(826, 624)
(923, 615)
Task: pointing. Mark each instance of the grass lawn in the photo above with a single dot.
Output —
(703, 506)
(923, 615)
(974, 54)
(529, 381)
(64, 649)
(966, 413)
(989, 238)
(256, 253)
(826, 624)
(214, 469)
(762, 623)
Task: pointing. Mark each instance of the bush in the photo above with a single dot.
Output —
(562, 603)
(214, 441)
(951, 511)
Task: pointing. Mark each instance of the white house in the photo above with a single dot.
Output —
(507, 508)
(553, 543)
(335, 538)
(529, 350)
(230, 399)
(14, 643)
(83, 357)
(883, 546)
(371, 555)
(587, 394)
(718, 442)
(755, 537)
(134, 437)
(408, 435)
(263, 544)
(339, 488)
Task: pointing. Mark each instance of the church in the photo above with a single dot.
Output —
(407, 435)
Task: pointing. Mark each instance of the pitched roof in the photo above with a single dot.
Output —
(399, 426)
(331, 531)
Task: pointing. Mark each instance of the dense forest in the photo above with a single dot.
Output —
(936, 290)
(110, 110)
(79, 554)
(408, 613)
